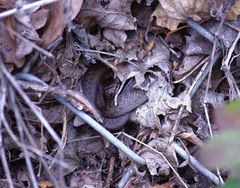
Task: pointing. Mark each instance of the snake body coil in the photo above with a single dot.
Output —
(129, 99)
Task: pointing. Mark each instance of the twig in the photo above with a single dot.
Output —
(43, 87)
(101, 130)
(125, 178)
(26, 7)
(192, 90)
(226, 63)
(110, 171)
(196, 164)
(192, 161)
(201, 30)
(20, 130)
(32, 106)
(2, 150)
(199, 64)
(160, 153)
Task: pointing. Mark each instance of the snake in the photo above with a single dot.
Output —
(114, 116)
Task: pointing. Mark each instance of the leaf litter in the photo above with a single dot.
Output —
(148, 42)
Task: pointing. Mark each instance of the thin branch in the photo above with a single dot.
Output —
(2, 151)
(28, 101)
(26, 7)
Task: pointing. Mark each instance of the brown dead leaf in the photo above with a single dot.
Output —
(39, 18)
(114, 15)
(117, 37)
(156, 164)
(45, 184)
(164, 185)
(234, 11)
(8, 48)
(22, 24)
(170, 13)
(56, 21)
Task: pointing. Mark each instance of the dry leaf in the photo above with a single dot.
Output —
(56, 22)
(234, 11)
(159, 102)
(114, 15)
(117, 37)
(156, 164)
(8, 49)
(39, 18)
(169, 13)
(45, 184)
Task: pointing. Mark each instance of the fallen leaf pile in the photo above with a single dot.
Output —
(147, 41)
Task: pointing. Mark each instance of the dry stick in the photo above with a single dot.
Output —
(48, 54)
(215, 46)
(28, 101)
(2, 150)
(42, 160)
(19, 122)
(110, 171)
(192, 90)
(26, 7)
(109, 54)
(226, 63)
(34, 144)
(31, 148)
(161, 154)
(199, 64)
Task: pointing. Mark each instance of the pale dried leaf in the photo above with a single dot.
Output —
(191, 137)
(8, 49)
(155, 163)
(117, 37)
(115, 15)
(56, 22)
(160, 101)
(24, 27)
(158, 57)
(39, 18)
(234, 11)
(170, 13)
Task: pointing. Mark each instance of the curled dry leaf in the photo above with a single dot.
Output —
(39, 18)
(234, 11)
(160, 101)
(24, 27)
(8, 48)
(117, 37)
(56, 22)
(115, 15)
(156, 164)
(169, 13)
